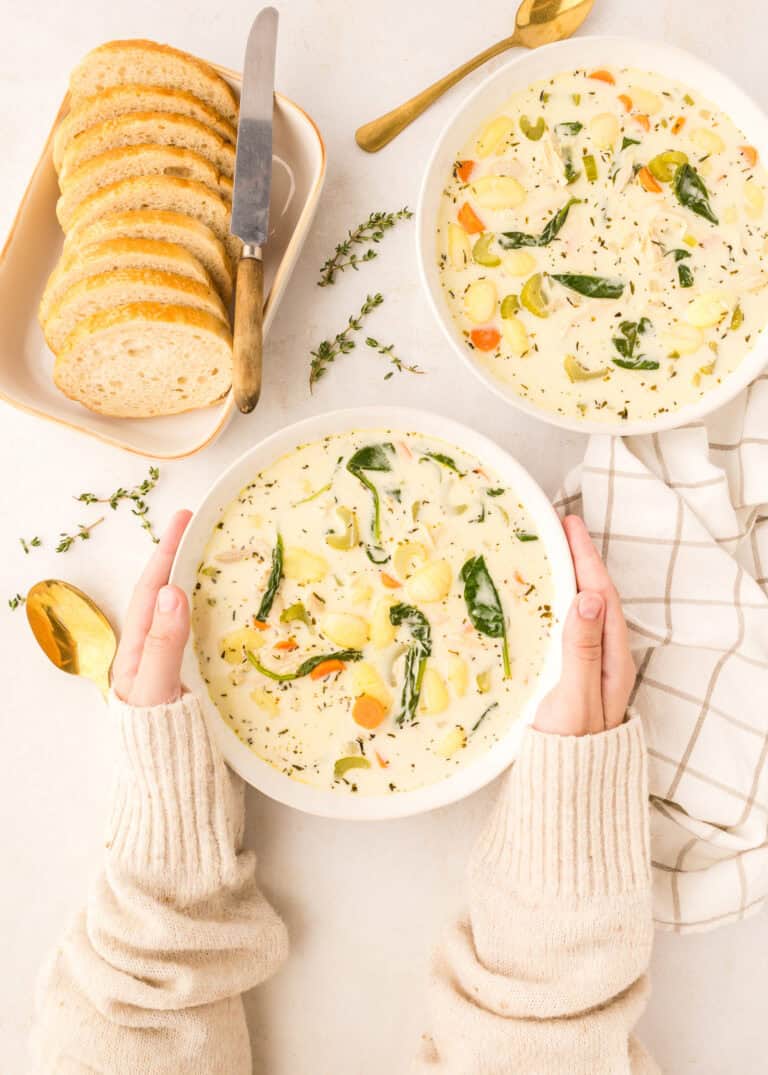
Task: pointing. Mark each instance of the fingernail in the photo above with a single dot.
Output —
(590, 606)
(167, 599)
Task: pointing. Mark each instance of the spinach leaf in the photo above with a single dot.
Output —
(273, 581)
(443, 460)
(630, 331)
(373, 457)
(568, 128)
(376, 554)
(691, 192)
(495, 492)
(594, 287)
(482, 716)
(571, 174)
(626, 344)
(638, 363)
(306, 667)
(521, 535)
(513, 240)
(484, 605)
(626, 142)
(416, 657)
(685, 276)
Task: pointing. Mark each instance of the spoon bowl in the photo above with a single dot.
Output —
(538, 22)
(71, 630)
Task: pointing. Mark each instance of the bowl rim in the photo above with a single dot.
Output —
(754, 361)
(467, 779)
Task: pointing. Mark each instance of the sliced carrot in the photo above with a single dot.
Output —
(326, 668)
(643, 121)
(603, 76)
(389, 582)
(368, 711)
(260, 625)
(382, 761)
(485, 339)
(287, 644)
(469, 220)
(626, 101)
(647, 181)
(464, 170)
(749, 154)
(678, 125)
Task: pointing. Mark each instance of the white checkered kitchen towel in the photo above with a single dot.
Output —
(681, 519)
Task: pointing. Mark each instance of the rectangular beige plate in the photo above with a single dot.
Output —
(35, 242)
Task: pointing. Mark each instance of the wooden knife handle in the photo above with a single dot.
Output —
(249, 329)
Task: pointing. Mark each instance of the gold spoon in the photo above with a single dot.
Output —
(71, 630)
(538, 22)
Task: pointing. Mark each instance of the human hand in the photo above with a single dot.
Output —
(147, 666)
(598, 671)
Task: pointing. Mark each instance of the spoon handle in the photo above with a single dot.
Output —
(379, 132)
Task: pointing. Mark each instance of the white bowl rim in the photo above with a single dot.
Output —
(756, 358)
(468, 778)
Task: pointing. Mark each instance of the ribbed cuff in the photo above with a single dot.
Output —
(177, 817)
(572, 819)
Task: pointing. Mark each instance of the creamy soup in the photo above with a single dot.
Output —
(602, 244)
(373, 611)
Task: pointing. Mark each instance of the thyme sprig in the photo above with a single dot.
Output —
(83, 533)
(388, 352)
(16, 602)
(33, 543)
(342, 343)
(370, 231)
(136, 495)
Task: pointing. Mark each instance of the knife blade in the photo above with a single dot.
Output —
(253, 162)
(250, 205)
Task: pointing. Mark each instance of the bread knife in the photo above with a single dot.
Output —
(250, 205)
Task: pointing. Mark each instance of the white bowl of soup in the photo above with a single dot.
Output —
(377, 596)
(593, 235)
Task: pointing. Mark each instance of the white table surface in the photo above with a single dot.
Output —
(364, 902)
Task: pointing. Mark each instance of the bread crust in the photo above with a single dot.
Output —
(186, 230)
(135, 97)
(222, 97)
(185, 292)
(116, 254)
(147, 128)
(142, 161)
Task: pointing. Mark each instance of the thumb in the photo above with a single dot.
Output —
(581, 679)
(158, 678)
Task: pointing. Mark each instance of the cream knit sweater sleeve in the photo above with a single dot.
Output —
(546, 973)
(147, 981)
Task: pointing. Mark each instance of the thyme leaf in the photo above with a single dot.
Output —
(342, 343)
(370, 231)
(137, 496)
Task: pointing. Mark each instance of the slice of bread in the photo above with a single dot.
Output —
(146, 359)
(145, 160)
(113, 254)
(148, 128)
(123, 100)
(159, 192)
(167, 227)
(150, 63)
(119, 288)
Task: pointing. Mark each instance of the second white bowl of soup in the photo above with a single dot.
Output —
(593, 235)
(377, 598)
